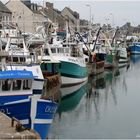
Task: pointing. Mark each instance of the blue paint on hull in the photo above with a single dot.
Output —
(12, 98)
(134, 49)
(22, 111)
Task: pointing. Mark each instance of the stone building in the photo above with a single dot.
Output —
(54, 15)
(72, 17)
(25, 14)
(5, 15)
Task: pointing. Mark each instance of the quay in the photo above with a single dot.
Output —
(12, 129)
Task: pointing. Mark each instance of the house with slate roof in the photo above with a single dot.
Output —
(72, 17)
(5, 15)
(55, 15)
(26, 15)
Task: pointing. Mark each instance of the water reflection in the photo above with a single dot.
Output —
(72, 97)
(99, 111)
(135, 58)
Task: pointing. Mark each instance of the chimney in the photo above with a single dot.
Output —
(49, 5)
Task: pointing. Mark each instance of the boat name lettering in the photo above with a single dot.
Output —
(14, 74)
(73, 60)
(50, 109)
(5, 111)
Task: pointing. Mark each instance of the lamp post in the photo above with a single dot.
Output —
(89, 36)
(89, 14)
(112, 19)
(107, 19)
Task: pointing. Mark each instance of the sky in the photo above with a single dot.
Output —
(114, 12)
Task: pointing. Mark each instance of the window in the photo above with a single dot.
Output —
(46, 52)
(27, 84)
(16, 84)
(22, 59)
(15, 59)
(66, 50)
(6, 85)
(60, 50)
(53, 50)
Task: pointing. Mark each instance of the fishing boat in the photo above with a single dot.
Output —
(112, 57)
(73, 66)
(70, 54)
(21, 58)
(15, 85)
(32, 113)
(17, 100)
(96, 51)
(50, 68)
(135, 48)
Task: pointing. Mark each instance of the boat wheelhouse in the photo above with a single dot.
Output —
(17, 100)
(21, 58)
(73, 66)
(15, 85)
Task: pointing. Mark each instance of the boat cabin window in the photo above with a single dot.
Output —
(73, 51)
(8, 59)
(22, 59)
(66, 50)
(15, 59)
(6, 85)
(46, 51)
(16, 84)
(60, 50)
(27, 84)
(58, 38)
(51, 41)
(53, 50)
(20, 45)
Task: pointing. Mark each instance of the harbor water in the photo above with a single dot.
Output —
(107, 106)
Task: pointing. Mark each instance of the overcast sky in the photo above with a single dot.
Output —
(114, 12)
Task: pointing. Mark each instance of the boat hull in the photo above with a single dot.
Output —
(73, 73)
(134, 49)
(40, 120)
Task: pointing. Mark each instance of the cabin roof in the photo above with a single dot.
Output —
(3, 8)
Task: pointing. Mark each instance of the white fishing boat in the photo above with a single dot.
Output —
(18, 100)
(70, 54)
(20, 58)
(123, 58)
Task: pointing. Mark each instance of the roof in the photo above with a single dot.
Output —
(74, 13)
(32, 6)
(16, 74)
(3, 8)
